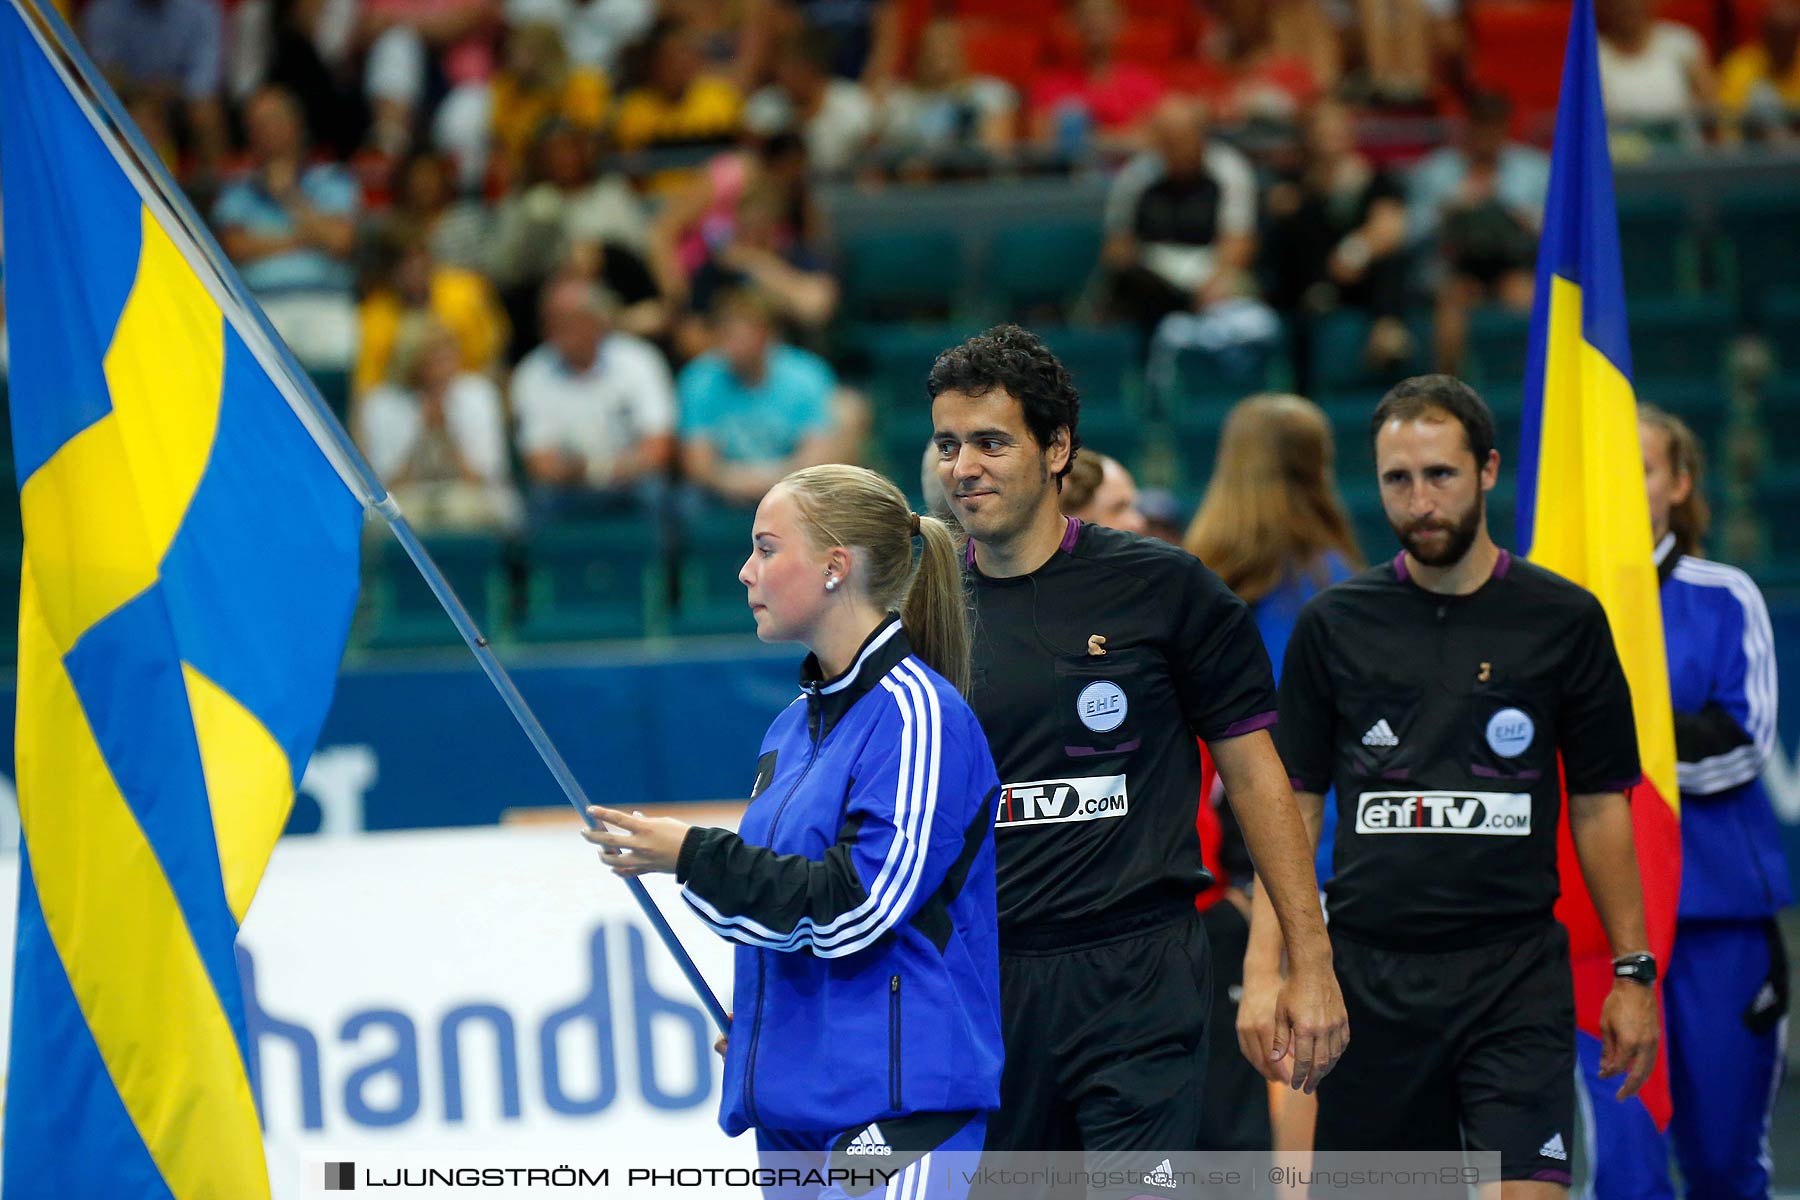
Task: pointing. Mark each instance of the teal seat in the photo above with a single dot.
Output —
(1761, 226)
(591, 580)
(1681, 340)
(1106, 362)
(714, 545)
(901, 273)
(1659, 244)
(1497, 344)
(404, 612)
(1041, 264)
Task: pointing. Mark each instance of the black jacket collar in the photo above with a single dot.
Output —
(827, 700)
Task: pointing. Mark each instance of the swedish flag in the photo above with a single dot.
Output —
(188, 580)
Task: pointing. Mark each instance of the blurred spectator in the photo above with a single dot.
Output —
(594, 33)
(731, 42)
(1100, 491)
(410, 283)
(538, 85)
(416, 50)
(1103, 103)
(1759, 82)
(754, 410)
(1336, 237)
(437, 436)
(679, 101)
(564, 219)
(459, 231)
(833, 116)
(765, 255)
(703, 216)
(595, 407)
(166, 56)
(290, 229)
(1401, 42)
(1180, 221)
(1283, 54)
(862, 38)
(946, 109)
(329, 91)
(1481, 205)
(1656, 75)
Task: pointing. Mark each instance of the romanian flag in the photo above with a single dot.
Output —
(1582, 511)
(189, 572)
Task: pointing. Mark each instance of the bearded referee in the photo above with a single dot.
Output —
(1441, 694)
(1099, 656)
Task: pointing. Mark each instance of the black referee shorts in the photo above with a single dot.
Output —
(1470, 1048)
(1106, 1038)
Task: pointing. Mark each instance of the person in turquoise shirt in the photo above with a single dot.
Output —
(753, 410)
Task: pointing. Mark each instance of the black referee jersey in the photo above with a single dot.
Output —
(1439, 720)
(1096, 750)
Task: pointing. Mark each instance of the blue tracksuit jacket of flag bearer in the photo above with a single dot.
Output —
(1722, 684)
(860, 888)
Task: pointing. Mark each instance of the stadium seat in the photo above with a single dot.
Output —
(901, 273)
(1658, 244)
(1681, 340)
(12, 551)
(1113, 431)
(1781, 421)
(1195, 434)
(1762, 228)
(899, 357)
(334, 389)
(1497, 342)
(591, 580)
(1514, 42)
(714, 544)
(1106, 362)
(1777, 498)
(1338, 341)
(1009, 48)
(1039, 264)
(404, 612)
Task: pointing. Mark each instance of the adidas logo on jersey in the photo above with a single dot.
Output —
(1554, 1148)
(1380, 735)
(869, 1141)
(1163, 1176)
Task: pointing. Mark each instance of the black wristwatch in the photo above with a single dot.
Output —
(1638, 967)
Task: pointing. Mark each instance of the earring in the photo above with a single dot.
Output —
(831, 583)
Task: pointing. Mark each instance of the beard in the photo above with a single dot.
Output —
(1461, 536)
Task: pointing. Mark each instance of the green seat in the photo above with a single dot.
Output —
(12, 552)
(334, 389)
(1106, 362)
(714, 545)
(1338, 343)
(1781, 421)
(405, 612)
(1681, 340)
(1659, 245)
(1762, 232)
(1195, 434)
(901, 273)
(1041, 264)
(591, 580)
(1498, 340)
(899, 357)
(1112, 430)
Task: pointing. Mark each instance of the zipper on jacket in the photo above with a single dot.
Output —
(894, 1043)
(762, 955)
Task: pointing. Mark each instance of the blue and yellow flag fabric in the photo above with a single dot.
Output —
(1582, 510)
(188, 579)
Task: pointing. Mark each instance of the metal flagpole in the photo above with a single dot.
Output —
(164, 196)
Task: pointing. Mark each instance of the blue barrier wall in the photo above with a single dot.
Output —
(430, 744)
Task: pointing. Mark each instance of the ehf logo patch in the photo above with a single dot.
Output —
(1509, 733)
(1102, 706)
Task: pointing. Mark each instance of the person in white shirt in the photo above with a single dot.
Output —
(1653, 73)
(595, 409)
(436, 435)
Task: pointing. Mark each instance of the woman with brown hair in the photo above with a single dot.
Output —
(1725, 989)
(860, 884)
(1274, 529)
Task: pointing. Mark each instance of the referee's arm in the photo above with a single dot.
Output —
(1600, 824)
(1304, 1033)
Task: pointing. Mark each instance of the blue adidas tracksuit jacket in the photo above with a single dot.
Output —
(1725, 988)
(860, 887)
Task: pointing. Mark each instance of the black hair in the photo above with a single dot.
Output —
(1412, 398)
(1015, 360)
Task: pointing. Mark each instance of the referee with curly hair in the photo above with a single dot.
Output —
(1099, 656)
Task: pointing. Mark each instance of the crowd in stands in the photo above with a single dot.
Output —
(554, 258)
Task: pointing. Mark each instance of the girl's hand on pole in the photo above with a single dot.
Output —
(636, 844)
